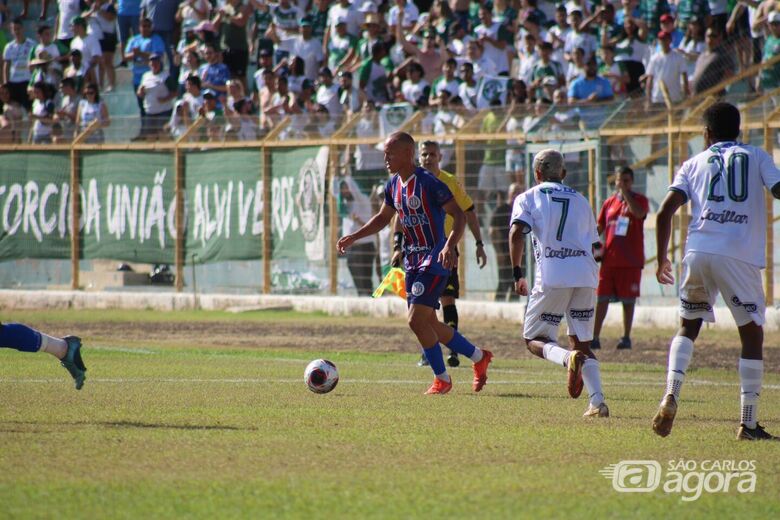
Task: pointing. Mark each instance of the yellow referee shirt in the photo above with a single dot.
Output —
(462, 198)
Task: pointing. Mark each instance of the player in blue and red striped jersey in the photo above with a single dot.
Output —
(422, 201)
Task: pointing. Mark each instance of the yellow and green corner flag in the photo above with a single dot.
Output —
(394, 281)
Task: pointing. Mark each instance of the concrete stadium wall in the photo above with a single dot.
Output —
(646, 316)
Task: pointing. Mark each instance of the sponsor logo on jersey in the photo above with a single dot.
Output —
(413, 202)
(559, 188)
(695, 306)
(418, 249)
(554, 319)
(581, 314)
(749, 307)
(415, 220)
(564, 252)
(418, 288)
(725, 217)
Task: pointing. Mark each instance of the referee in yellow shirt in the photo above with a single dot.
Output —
(430, 155)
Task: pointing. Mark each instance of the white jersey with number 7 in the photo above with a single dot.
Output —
(725, 186)
(564, 231)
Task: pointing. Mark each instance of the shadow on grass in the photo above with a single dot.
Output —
(127, 424)
(518, 395)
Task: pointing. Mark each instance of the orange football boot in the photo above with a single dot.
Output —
(439, 386)
(480, 370)
(575, 382)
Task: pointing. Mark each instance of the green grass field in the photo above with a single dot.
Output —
(183, 429)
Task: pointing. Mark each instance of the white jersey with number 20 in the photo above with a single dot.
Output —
(564, 231)
(725, 186)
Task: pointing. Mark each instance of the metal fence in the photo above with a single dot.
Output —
(283, 239)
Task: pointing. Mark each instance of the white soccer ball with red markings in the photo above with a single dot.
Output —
(321, 376)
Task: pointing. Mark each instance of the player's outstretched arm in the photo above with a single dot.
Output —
(374, 225)
(663, 231)
(517, 233)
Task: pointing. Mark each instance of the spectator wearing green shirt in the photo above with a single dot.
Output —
(688, 9)
(341, 47)
(373, 75)
(770, 77)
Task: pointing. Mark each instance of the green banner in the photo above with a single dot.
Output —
(224, 194)
(34, 205)
(298, 202)
(128, 206)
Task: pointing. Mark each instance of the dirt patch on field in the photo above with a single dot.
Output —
(713, 349)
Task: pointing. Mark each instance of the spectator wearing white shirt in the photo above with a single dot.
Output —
(448, 80)
(411, 15)
(576, 68)
(42, 113)
(692, 44)
(327, 93)
(309, 49)
(192, 12)
(158, 91)
(415, 89)
(343, 10)
(482, 66)
(89, 46)
(16, 71)
(91, 108)
(527, 57)
(669, 67)
(578, 38)
(67, 10)
(557, 34)
(192, 100)
(467, 91)
(68, 107)
(493, 37)
(284, 27)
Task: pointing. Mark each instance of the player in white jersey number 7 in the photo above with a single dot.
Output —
(564, 234)
(724, 253)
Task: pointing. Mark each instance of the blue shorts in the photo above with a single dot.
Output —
(424, 288)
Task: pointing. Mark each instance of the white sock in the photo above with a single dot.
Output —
(680, 354)
(476, 357)
(552, 352)
(751, 371)
(57, 347)
(444, 376)
(591, 376)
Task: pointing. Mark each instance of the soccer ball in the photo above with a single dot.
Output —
(321, 376)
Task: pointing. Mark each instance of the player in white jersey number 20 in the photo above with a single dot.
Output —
(563, 236)
(724, 253)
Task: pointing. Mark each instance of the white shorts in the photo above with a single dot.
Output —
(546, 309)
(705, 275)
(492, 178)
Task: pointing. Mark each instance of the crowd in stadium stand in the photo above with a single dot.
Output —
(242, 65)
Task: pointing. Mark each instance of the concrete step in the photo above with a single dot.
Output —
(102, 280)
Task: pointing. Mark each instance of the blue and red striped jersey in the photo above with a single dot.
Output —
(419, 204)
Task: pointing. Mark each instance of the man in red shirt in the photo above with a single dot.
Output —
(621, 222)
